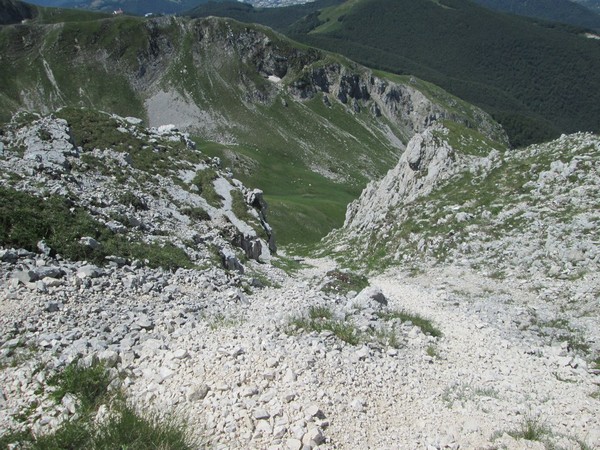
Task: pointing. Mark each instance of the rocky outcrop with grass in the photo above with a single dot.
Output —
(94, 186)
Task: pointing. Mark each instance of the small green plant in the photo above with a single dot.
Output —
(531, 430)
(386, 336)
(320, 312)
(321, 319)
(220, 320)
(432, 351)
(88, 384)
(424, 324)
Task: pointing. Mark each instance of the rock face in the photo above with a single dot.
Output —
(427, 161)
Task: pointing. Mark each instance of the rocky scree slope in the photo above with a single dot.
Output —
(326, 123)
(527, 216)
(141, 194)
(255, 359)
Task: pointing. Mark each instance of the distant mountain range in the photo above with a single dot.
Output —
(574, 12)
(564, 11)
(538, 79)
(139, 7)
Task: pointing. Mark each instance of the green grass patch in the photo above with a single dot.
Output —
(26, 219)
(289, 265)
(530, 430)
(321, 319)
(204, 181)
(196, 213)
(124, 429)
(88, 384)
(425, 325)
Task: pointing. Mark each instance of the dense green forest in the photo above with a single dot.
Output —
(539, 79)
(564, 11)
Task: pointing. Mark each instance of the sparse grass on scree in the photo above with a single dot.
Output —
(123, 429)
(321, 319)
(26, 219)
(424, 324)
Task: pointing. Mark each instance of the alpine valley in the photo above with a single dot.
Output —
(214, 236)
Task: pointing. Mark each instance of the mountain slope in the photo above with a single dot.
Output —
(14, 11)
(106, 187)
(564, 11)
(530, 215)
(538, 79)
(327, 125)
(139, 7)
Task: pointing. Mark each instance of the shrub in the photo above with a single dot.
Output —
(344, 282)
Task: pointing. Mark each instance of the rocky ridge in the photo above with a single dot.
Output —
(158, 189)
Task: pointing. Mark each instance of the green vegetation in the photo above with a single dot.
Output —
(204, 182)
(343, 282)
(289, 265)
(26, 219)
(536, 78)
(424, 324)
(432, 351)
(89, 384)
(124, 428)
(220, 320)
(551, 10)
(530, 430)
(130, 199)
(196, 213)
(321, 319)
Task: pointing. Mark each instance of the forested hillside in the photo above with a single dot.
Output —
(564, 11)
(539, 79)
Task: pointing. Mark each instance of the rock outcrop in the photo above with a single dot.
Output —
(158, 185)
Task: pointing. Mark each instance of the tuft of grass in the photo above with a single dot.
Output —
(196, 214)
(432, 351)
(125, 428)
(320, 312)
(88, 384)
(425, 325)
(342, 282)
(204, 182)
(530, 430)
(320, 319)
(386, 337)
(129, 430)
(220, 320)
